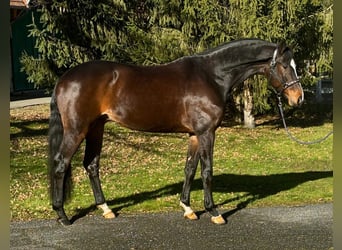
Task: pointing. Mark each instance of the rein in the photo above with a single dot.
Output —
(286, 85)
(280, 106)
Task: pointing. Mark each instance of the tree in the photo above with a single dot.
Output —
(305, 25)
(157, 31)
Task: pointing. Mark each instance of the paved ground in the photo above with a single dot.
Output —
(306, 227)
(29, 102)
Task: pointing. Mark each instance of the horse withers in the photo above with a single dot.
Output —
(187, 95)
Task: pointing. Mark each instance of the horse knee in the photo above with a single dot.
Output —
(190, 170)
(207, 176)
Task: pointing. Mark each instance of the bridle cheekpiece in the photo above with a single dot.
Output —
(273, 73)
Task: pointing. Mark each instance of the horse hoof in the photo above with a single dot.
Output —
(109, 215)
(218, 220)
(64, 222)
(190, 216)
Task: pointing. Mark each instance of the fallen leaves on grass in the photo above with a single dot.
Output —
(144, 172)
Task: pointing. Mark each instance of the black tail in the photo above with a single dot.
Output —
(55, 139)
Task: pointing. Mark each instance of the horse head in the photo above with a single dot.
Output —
(283, 75)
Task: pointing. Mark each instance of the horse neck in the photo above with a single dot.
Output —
(232, 65)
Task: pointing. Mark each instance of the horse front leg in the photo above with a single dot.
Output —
(206, 150)
(190, 171)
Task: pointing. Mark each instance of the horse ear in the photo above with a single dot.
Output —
(285, 53)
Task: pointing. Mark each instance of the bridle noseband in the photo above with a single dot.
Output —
(273, 73)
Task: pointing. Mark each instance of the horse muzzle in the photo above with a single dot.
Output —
(295, 100)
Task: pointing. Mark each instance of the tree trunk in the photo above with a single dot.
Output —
(248, 118)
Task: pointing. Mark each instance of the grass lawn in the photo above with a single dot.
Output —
(143, 172)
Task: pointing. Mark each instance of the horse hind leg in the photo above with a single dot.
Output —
(58, 182)
(190, 171)
(60, 174)
(91, 161)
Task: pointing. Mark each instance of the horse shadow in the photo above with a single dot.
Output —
(26, 131)
(255, 187)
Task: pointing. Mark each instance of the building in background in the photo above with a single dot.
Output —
(21, 16)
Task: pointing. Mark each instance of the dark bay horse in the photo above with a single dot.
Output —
(187, 95)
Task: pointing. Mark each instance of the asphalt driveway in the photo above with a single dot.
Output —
(304, 227)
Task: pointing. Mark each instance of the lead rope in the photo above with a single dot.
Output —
(280, 105)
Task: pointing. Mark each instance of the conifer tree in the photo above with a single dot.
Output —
(305, 25)
(70, 32)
